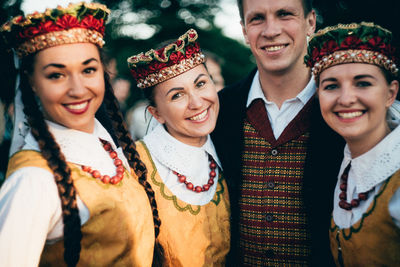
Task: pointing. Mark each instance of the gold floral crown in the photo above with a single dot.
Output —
(77, 23)
(156, 66)
(365, 42)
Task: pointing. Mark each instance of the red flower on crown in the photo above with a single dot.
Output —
(351, 42)
(157, 66)
(140, 73)
(67, 22)
(21, 29)
(315, 53)
(29, 33)
(365, 36)
(176, 57)
(328, 48)
(48, 26)
(90, 22)
(377, 42)
(192, 49)
(314, 57)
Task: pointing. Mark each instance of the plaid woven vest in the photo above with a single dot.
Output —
(273, 220)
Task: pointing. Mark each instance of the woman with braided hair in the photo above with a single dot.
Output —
(183, 167)
(104, 218)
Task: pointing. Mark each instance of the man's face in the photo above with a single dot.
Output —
(277, 31)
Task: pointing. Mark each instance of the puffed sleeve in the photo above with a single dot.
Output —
(29, 209)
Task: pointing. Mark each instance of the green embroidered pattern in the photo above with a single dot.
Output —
(217, 197)
(355, 228)
(193, 209)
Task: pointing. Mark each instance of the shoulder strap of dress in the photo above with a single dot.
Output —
(26, 158)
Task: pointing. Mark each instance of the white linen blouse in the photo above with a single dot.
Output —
(368, 172)
(30, 207)
(169, 154)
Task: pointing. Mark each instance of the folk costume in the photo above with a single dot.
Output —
(281, 167)
(191, 192)
(113, 207)
(115, 218)
(365, 226)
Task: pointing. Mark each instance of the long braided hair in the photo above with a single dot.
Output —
(128, 146)
(51, 151)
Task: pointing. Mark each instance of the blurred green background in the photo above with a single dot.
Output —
(168, 19)
(138, 25)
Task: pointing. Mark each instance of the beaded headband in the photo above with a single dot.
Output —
(77, 23)
(351, 43)
(156, 66)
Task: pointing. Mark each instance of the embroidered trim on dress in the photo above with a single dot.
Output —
(220, 192)
(358, 225)
(188, 207)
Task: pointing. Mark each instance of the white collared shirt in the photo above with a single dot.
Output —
(280, 118)
(169, 154)
(369, 171)
(30, 207)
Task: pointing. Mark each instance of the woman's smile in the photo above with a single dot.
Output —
(200, 117)
(78, 107)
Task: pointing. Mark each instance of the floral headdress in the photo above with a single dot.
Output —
(351, 43)
(156, 66)
(77, 23)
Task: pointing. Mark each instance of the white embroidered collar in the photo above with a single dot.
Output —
(176, 155)
(376, 165)
(81, 148)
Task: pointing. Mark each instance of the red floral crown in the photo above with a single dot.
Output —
(78, 23)
(156, 66)
(351, 43)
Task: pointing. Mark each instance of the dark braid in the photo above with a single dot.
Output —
(50, 150)
(129, 148)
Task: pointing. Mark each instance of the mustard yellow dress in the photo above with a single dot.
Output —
(118, 229)
(369, 234)
(191, 235)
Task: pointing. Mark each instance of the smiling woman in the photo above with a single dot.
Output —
(70, 190)
(70, 90)
(358, 82)
(354, 101)
(189, 111)
(180, 156)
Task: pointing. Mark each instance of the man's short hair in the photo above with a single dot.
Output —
(307, 7)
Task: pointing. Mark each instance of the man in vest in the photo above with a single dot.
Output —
(279, 157)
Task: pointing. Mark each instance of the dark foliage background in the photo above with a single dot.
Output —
(170, 18)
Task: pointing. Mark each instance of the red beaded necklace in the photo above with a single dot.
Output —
(198, 189)
(117, 162)
(343, 195)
